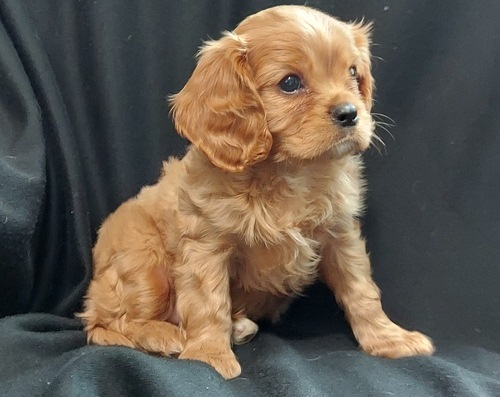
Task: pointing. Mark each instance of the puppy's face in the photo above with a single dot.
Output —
(289, 83)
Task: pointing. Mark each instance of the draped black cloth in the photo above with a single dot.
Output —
(84, 124)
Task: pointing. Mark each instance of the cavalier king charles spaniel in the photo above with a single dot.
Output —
(265, 202)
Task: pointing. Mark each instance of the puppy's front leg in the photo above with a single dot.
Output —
(346, 270)
(204, 305)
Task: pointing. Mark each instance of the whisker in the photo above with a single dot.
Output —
(375, 136)
(380, 115)
(384, 128)
(374, 144)
(378, 58)
(384, 123)
(377, 149)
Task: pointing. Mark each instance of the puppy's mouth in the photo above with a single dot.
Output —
(349, 145)
(346, 147)
(354, 142)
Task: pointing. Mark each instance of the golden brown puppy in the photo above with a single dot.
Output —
(265, 201)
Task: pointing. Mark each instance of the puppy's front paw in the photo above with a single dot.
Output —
(397, 342)
(223, 361)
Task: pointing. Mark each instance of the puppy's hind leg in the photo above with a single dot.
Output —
(144, 329)
(131, 296)
(157, 337)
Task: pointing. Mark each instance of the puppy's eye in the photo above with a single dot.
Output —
(353, 71)
(290, 84)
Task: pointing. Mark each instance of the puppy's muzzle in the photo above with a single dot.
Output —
(345, 115)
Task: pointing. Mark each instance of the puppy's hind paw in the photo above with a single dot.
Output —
(244, 330)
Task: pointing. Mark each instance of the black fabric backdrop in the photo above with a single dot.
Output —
(83, 125)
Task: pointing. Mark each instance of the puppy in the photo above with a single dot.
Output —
(265, 201)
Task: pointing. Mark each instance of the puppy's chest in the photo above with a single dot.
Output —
(283, 268)
(283, 255)
(280, 253)
(313, 198)
(301, 208)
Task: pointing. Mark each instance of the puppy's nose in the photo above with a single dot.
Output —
(345, 114)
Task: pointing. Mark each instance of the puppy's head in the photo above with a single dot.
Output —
(289, 83)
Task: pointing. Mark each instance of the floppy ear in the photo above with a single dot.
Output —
(219, 109)
(362, 38)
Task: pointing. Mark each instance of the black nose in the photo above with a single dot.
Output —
(345, 114)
